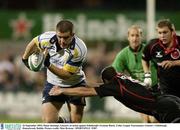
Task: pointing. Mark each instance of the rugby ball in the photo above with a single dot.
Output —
(36, 61)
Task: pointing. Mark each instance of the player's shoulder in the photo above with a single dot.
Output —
(124, 50)
(45, 39)
(79, 45)
(178, 38)
(46, 36)
(153, 41)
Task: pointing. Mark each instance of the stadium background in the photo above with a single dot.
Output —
(102, 24)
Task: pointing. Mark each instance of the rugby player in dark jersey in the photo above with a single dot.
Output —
(164, 51)
(130, 92)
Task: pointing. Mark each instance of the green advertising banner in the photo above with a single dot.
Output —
(92, 25)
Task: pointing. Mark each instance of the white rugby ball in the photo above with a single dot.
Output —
(36, 61)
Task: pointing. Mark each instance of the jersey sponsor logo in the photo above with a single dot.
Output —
(158, 54)
(175, 54)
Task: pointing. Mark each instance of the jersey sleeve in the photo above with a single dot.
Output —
(119, 62)
(146, 54)
(42, 41)
(108, 89)
(74, 63)
(36, 41)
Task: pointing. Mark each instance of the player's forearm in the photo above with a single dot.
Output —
(146, 66)
(30, 48)
(61, 73)
(79, 91)
(176, 63)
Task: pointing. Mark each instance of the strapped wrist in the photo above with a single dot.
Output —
(49, 65)
(25, 61)
(147, 75)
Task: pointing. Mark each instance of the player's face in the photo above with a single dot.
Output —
(134, 38)
(165, 35)
(64, 39)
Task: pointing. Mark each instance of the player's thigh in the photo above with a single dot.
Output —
(50, 111)
(76, 112)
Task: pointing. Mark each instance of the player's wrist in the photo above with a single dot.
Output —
(49, 66)
(61, 90)
(147, 75)
(25, 61)
(46, 61)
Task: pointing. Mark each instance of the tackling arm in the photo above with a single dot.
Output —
(79, 91)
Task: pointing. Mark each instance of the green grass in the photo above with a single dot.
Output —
(110, 120)
(15, 120)
(5, 119)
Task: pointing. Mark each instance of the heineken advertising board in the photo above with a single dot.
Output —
(92, 25)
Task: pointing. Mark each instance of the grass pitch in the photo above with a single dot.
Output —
(5, 119)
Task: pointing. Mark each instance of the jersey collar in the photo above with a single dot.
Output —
(169, 50)
(138, 50)
(72, 45)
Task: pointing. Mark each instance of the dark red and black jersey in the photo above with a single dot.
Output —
(168, 78)
(129, 92)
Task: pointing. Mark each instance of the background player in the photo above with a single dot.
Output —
(164, 51)
(66, 55)
(166, 108)
(129, 60)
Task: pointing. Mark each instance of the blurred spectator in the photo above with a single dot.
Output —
(7, 73)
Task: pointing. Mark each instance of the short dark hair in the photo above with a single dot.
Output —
(65, 26)
(165, 23)
(108, 73)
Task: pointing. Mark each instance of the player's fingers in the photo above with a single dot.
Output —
(55, 90)
(167, 65)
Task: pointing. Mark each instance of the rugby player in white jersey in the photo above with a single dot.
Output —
(66, 54)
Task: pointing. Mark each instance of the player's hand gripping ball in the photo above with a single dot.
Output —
(36, 61)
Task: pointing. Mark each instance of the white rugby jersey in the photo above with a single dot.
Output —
(70, 59)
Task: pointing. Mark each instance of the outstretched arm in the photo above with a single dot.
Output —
(78, 91)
